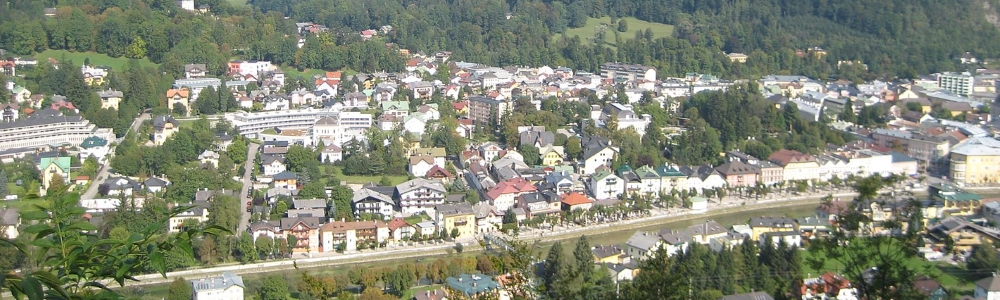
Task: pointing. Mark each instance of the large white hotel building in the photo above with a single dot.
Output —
(49, 130)
(322, 123)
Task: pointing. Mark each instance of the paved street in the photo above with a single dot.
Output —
(102, 174)
(247, 183)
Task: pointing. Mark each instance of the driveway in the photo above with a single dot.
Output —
(247, 184)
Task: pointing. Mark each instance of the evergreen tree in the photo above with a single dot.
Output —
(180, 289)
(3, 182)
(208, 101)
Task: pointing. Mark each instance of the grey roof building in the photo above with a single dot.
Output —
(219, 285)
(472, 284)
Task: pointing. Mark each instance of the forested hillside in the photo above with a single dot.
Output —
(894, 37)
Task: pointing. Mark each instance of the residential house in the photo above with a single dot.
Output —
(374, 201)
(95, 146)
(738, 174)
(228, 286)
(551, 155)
(796, 165)
(536, 136)
(351, 236)
(504, 195)
(622, 271)
(155, 185)
(597, 152)
(265, 229)
(489, 151)
(306, 231)
(762, 225)
(110, 98)
(606, 185)
(209, 158)
(487, 218)
(574, 201)
(197, 213)
(483, 109)
(331, 154)
(420, 164)
(9, 112)
(120, 186)
(195, 71)
(540, 203)
(671, 179)
(307, 208)
(642, 244)
(272, 164)
(53, 168)
(163, 128)
(419, 195)
(399, 231)
(458, 218)
(179, 98)
(562, 182)
(703, 177)
(10, 219)
(789, 238)
(285, 179)
(705, 233)
(612, 254)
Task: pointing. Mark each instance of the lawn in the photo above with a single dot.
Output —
(634, 25)
(948, 275)
(291, 72)
(96, 59)
(337, 172)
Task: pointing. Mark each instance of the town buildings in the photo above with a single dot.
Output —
(227, 286)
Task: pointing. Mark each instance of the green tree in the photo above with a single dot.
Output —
(245, 246)
(180, 289)
(265, 247)
(622, 26)
(983, 260)
(3, 182)
(137, 49)
(226, 212)
(82, 261)
(530, 153)
(274, 287)
(208, 101)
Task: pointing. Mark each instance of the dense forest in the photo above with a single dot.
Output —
(894, 38)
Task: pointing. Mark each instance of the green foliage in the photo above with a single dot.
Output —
(274, 287)
(3, 182)
(180, 289)
(983, 260)
(226, 212)
(69, 262)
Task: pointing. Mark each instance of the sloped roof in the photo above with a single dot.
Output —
(784, 157)
(223, 282)
(736, 168)
(365, 193)
(511, 186)
(574, 198)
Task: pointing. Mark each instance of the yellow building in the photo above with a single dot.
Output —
(460, 217)
(763, 225)
(551, 155)
(610, 254)
(737, 57)
(53, 168)
(976, 160)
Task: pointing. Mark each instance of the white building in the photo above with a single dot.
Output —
(958, 83)
(420, 195)
(624, 72)
(606, 185)
(46, 130)
(229, 286)
(342, 127)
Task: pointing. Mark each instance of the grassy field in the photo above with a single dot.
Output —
(237, 3)
(291, 72)
(634, 25)
(96, 59)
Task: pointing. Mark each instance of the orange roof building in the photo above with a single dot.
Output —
(574, 200)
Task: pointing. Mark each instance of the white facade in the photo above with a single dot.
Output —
(601, 158)
(606, 186)
(44, 131)
(420, 195)
(226, 287)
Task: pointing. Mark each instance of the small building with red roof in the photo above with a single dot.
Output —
(573, 200)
